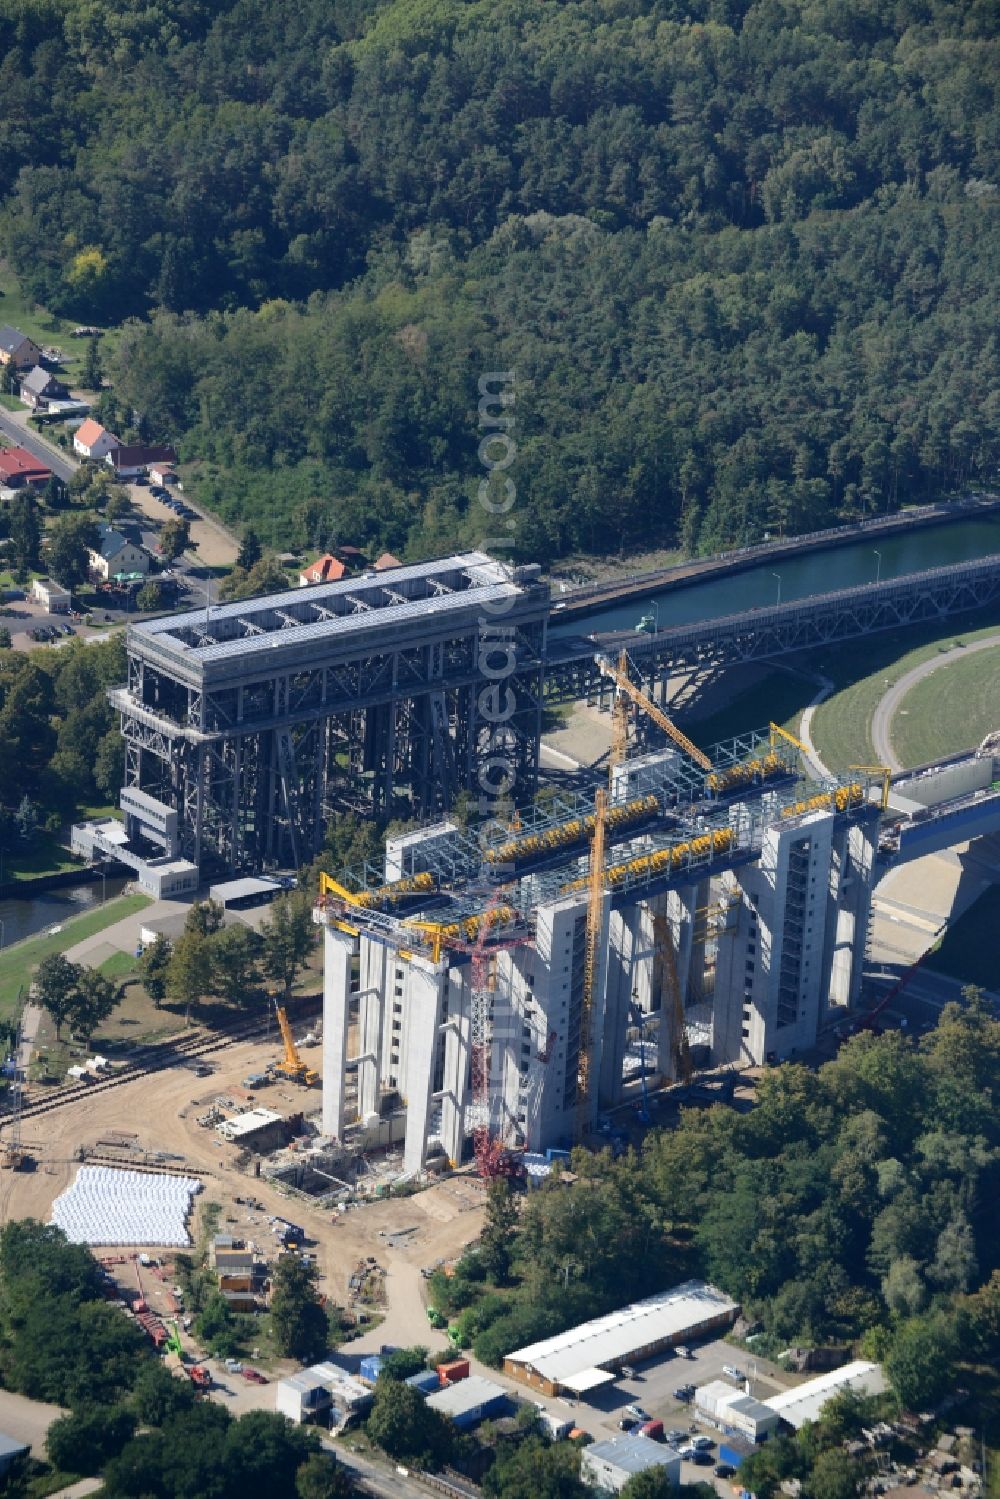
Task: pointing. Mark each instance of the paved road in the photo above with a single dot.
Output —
(377, 1478)
(812, 759)
(27, 1420)
(15, 428)
(886, 710)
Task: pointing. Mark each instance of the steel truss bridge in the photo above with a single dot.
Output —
(709, 646)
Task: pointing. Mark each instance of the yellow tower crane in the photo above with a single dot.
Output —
(620, 676)
(885, 771)
(591, 959)
(777, 732)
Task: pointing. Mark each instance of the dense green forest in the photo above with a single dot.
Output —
(857, 1203)
(740, 256)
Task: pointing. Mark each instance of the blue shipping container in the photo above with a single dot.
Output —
(426, 1381)
(552, 1154)
(370, 1366)
(733, 1453)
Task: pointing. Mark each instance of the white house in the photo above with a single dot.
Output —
(91, 440)
(53, 598)
(115, 554)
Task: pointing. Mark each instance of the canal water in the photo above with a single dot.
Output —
(859, 562)
(24, 916)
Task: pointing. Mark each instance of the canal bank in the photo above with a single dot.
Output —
(854, 563)
(613, 595)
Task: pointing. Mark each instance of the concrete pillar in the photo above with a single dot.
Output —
(424, 993)
(371, 1019)
(337, 951)
(456, 1066)
(680, 908)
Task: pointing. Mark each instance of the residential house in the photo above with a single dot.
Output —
(38, 388)
(326, 569)
(385, 562)
(127, 461)
(18, 466)
(91, 440)
(115, 554)
(162, 473)
(18, 349)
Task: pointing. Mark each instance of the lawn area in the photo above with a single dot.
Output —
(779, 697)
(9, 402)
(968, 950)
(952, 709)
(18, 962)
(46, 855)
(43, 326)
(865, 670)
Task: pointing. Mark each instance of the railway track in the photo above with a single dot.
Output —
(150, 1059)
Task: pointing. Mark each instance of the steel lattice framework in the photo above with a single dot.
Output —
(392, 692)
(761, 634)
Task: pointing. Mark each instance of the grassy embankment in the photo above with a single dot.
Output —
(842, 725)
(18, 962)
(952, 709)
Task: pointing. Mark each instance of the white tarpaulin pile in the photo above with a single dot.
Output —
(107, 1206)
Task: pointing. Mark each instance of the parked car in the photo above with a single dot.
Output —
(141, 480)
(724, 1470)
(700, 1457)
(683, 1351)
(684, 1392)
(627, 1372)
(254, 1376)
(233, 1366)
(733, 1372)
(676, 1437)
(627, 1423)
(702, 1443)
(638, 1412)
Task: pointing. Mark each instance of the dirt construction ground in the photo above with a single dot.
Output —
(162, 1109)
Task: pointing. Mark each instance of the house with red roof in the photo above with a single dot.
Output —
(326, 569)
(18, 466)
(91, 440)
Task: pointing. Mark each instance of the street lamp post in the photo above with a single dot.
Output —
(778, 576)
(656, 616)
(878, 565)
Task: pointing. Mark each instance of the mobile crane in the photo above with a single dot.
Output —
(291, 1065)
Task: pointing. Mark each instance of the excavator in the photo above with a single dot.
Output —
(291, 1065)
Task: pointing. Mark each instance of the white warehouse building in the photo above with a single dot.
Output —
(609, 1465)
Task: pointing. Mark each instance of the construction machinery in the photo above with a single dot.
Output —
(291, 1065)
(493, 1157)
(173, 1343)
(885, 771)
(622, 679)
